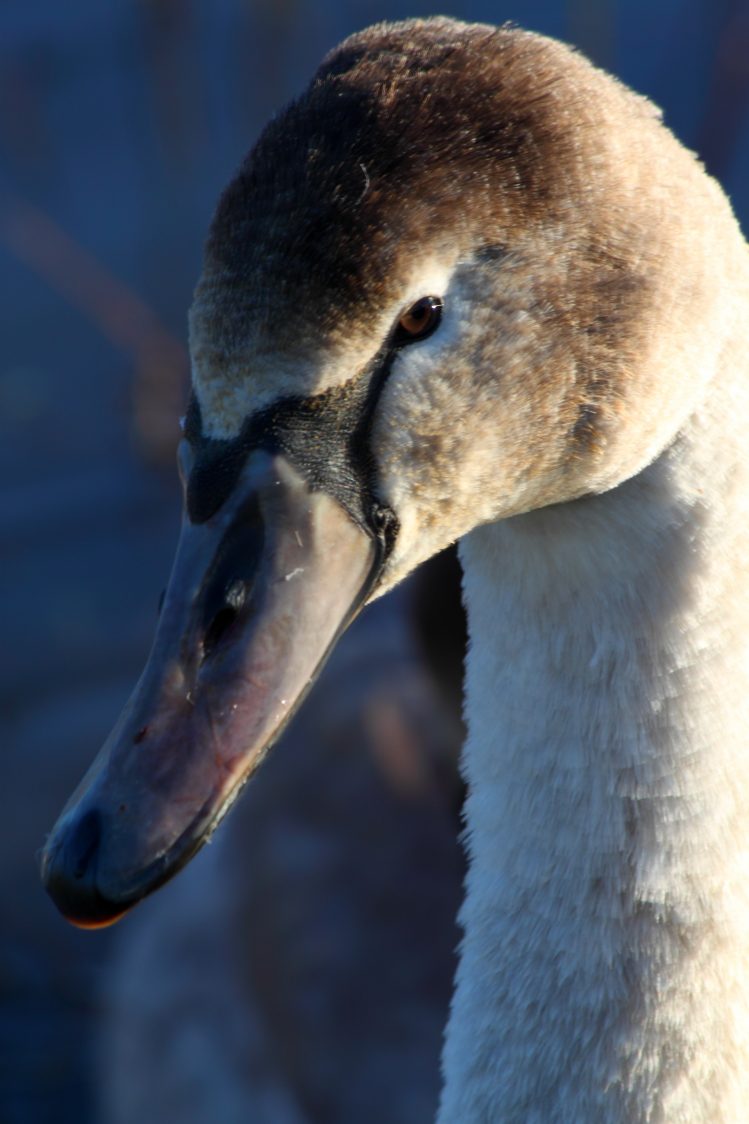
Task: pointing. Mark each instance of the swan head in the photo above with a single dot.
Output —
(450, 284)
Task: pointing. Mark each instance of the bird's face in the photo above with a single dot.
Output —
(411, 321)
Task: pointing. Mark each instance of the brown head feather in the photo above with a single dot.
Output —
(427, 131)
(576, 228)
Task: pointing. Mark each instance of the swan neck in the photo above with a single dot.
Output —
(606, 917)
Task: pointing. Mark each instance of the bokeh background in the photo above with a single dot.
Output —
(300, 970)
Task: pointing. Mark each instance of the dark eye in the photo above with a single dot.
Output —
(418, 321)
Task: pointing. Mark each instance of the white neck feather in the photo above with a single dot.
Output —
(604, 976)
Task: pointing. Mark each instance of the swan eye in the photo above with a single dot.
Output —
(418, 321)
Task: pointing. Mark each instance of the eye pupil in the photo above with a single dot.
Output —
(419, 320)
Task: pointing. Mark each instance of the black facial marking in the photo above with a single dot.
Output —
(326, 438)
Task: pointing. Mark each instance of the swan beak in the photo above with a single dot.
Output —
(258, 595)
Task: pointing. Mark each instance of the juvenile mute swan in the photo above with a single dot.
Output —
(467, 286)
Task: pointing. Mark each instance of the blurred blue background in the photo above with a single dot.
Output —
(119, 124)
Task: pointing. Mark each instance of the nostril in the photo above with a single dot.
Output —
(84, 843)
(234, 599)
(218, 627)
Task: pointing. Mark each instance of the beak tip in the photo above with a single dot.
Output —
(69, 873)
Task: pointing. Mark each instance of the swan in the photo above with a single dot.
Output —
(468, 287)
